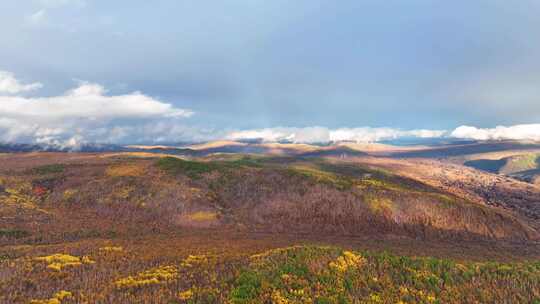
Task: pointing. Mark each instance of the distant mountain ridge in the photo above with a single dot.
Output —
(442, 149)
(22, 147)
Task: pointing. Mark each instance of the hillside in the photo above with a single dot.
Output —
(179, 271)
(116, 194)
(143, 227)
(503, 193)
(461, 150)
(523, 166)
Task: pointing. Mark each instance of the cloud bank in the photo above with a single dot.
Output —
(83, 114)
(323, 135)
(517, 132)
(88, 114)
(367, 134)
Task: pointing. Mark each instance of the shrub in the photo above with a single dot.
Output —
(158, 275)
(248, 285)
(13, 233)
(193, 169)
(59, 260)
(56, 299)
(202, 216)
(125, 170)
(49, 169)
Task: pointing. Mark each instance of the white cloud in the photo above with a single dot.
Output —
(367, 134)
(9, 84)
(517, 132)
(38, 18)
(311, 134)
(90, 102)
(85, 114)
(323, 135)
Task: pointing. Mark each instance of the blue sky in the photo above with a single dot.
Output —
(238, 66)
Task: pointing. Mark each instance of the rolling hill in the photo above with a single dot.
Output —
(251, 193)
(329, 224)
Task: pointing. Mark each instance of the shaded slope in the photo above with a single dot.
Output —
(525, 167)
(489, 165)
(334, 151)
(507, 165)
(466, 149)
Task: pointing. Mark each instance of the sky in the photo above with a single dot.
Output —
(74, 71)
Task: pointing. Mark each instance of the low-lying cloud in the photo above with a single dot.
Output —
(324, 135)
(367, 134)
(517, 132)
